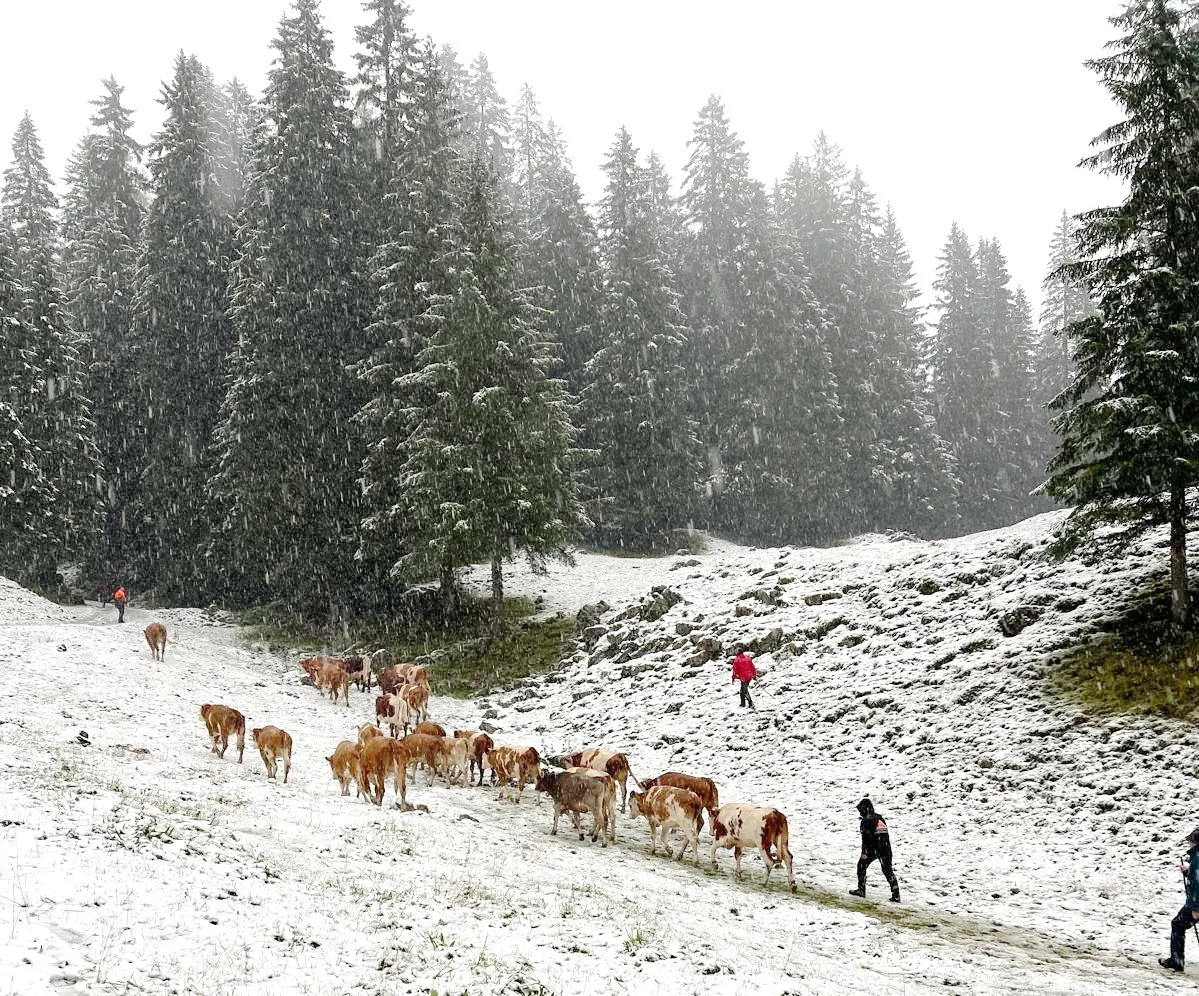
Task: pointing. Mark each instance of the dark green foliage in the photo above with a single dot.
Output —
(634, 405)
(289, 453)
(181, 335)
(1129, 422)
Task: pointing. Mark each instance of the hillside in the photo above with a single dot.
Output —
(1035, 845)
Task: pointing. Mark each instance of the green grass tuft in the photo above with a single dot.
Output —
(1144, 667)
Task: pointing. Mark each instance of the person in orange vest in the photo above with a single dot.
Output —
(118, 599)
(744, 672)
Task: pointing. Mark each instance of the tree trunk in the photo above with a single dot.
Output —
(1180, 600)
(497, 594)
(449, 590)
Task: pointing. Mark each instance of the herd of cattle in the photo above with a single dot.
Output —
(586, 783)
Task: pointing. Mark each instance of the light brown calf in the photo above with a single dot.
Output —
(609, 784)
(705, 788)
(274, 745)
(366, 731)
(480, 744)
(415, 700)
(223, 722)
(422, 748)
(156, 636)
(383, 756)
(346, 765)
(740, 826)
(435, 728)
(515, 765)
(333, 677)
(666, 806)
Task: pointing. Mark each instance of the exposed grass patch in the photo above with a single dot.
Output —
(680, 540)
(463, 657)
(1143, 667)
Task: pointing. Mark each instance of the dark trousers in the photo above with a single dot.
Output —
(884, 861)
(1178, 933)
(745, 699)
(120, 604)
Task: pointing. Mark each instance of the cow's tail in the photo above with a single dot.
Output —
(636, 780)
(784, 848)
(699, 820)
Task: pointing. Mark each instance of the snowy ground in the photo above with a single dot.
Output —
(1036, 847)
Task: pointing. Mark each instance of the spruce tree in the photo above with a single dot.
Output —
(408, 271)
(634, 408)
(1129, 422)
(486, 123)
(489, 468)
(181, 334)
(289, 452)
(1066, 300)
(46, 395)
(101, 228)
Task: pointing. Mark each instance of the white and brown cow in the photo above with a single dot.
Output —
(574, 792)
(607, 761)
(517, 766)
(479, 744)
(389, 709)
(666, 806)
(741, 826)
(358, 669)
(414, 705)
(705, 788)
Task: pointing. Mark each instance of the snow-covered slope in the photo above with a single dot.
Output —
(1036, 847)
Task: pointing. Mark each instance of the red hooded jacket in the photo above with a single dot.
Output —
(743, 668)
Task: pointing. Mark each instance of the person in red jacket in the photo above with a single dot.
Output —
(744, 672)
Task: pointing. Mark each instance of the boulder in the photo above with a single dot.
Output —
(1015, 620)
(820, 597)
(589, 615)
(592, 636)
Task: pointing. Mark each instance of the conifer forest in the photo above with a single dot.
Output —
(316, 346)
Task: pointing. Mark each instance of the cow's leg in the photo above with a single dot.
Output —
(737, 852)
(557, 813)
(712, 854)
(624, 793)
(770, 862)
(653, 836)
(286, 766)
(224, 745)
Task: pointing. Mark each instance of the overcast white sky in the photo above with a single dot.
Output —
(954, 109)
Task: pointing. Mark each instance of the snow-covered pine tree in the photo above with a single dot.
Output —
(289, 453)
(53, 413)
(237, 118)
(634, 408)
(1129, 421)
(558, 256)
(965, 387)
(920, 487)
(486, 123)
(181, 336)
(419, 212)
(1066, 300)
(101, 228)
(385, 60)
(490, 456)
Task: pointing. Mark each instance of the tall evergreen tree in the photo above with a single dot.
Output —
(1066, 300)
(181, 334)
(101, 227)
(385, 62)
(289, 453)
(47, 397)
(486, 123)
(634, 408)
(489, 466)
(237, 118)
(1129, 422)
(408, 271)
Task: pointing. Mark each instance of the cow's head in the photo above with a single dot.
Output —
(635, 801)
(254, 734)
(546, 780)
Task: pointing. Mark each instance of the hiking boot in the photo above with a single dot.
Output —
(1173, 964)
(860, 893)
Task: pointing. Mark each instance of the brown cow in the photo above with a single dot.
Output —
(346, 765)
(222, 722)
(610, 762)
(383, 756)
(421, 748)
(666, 806)
(417, 674)
(365, 732)
(156, 636)
(414, 699)
(577, 793)
(390, 679)
(388, 709)
(705, 788)
(738, 825)
(515, 765)
(274, 745)
(480, 744)
(311, 666)
(609, 784)
(334, 678)
(435, 728)
(358, 669)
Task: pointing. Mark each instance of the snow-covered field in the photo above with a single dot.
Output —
(1036, 847)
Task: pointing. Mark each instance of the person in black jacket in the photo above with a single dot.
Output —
(876, 843)
(1189, 914)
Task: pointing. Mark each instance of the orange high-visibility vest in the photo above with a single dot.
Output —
(119, 593)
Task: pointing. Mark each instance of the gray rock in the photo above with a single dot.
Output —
(592, 635)
(1017, 619)
(820, 597)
